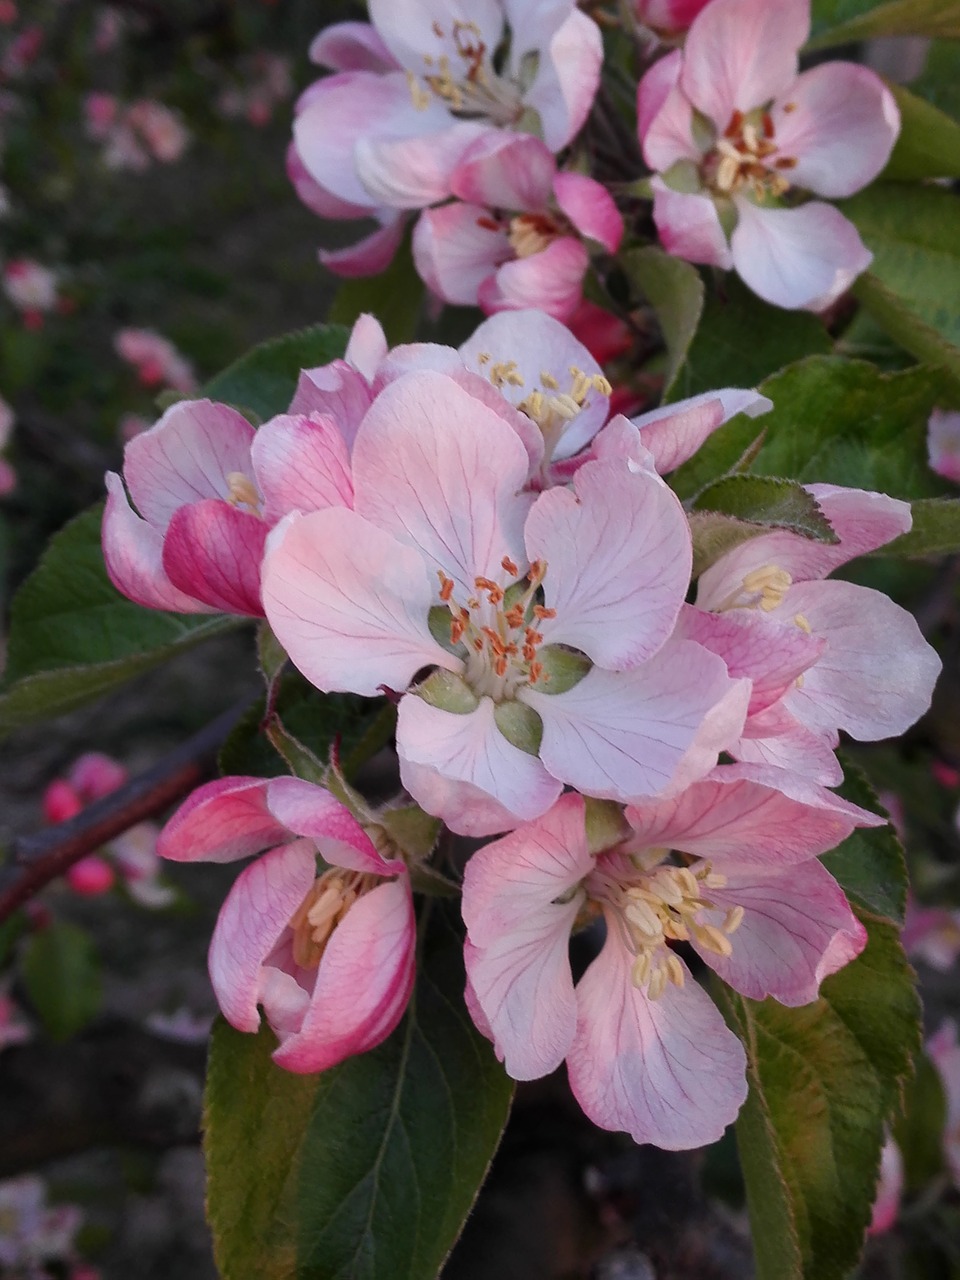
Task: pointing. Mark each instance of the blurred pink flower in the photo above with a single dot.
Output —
(31, 1233)
(156, 360)
(8, 477)
(31, 287)
(943, 443)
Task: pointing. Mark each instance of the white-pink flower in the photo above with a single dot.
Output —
(30, 286)
(156, 360)
(32, 1232)
(327, 950)
(646, 1049)
(735, 135)
(548, 619)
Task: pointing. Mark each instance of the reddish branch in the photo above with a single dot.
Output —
(37, 859)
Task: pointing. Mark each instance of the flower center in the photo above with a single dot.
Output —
(741, 159)
(328, 900)
(531, 233)
(242, 492)
(463, 79)
(764, 589)
(497, 627)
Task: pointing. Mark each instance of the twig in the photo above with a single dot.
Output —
(37, 859)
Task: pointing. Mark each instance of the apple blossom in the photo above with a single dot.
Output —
(646, 1049)
(156, 359)
(443, 563)
(31, 287)
(328, 952)
(667, 17)
(735, 136)
(31, 1232)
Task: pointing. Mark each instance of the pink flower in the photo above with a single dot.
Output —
(944, 1053)
(100, 111)
(517, 240)
(932, 934)
(31, 287)
(94, 775)
(943, 443)
(156, 360)
(8, 477)
(161, 129)
(734, 134)
(587, 689)
(823, 655)
(31, 1233)
(61, 801)
(646, 1050)
(91, 876)
(886, 1206)
(667, 17)
(328, 952)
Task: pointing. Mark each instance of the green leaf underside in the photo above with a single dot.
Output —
(767, 501)
(824, 1080)
(714, 535)
(935, 532)
(366, 1171)
(73, 637)
(869, 864)
(265, 379)
(841, 21)
(675, 291)
(62, 978)
(929, 141)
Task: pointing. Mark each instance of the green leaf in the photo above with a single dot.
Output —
(769, 502)
(365, 1171)
(73, 637)
(843, 21)
(869, 864)
(265, 379)
(919, 1129)
(62, 976)
(675, 291)
(939, 81)
(929, 141)
(741, 340)
(714, 535)
(915, 274)
(395, 297)
(935, 532)
(824, 1081)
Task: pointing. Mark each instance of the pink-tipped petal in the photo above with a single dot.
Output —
(334, 390)
(301, 464)
(306, 809)
(349, 603)
(840, 128)
(367, 347)
(133, 555)
(369, 256)
(674, 432)
(412, 172)
(221, 822)
(351, 46)
(590, 208)
(797, 258)
(507, 171)
(618, 555)
(551, 280)
(213, 551)
(362, 986)
(456, 248)
(689, 227)
(668, 1072)
(667, 134)
(652, 93)
(568, 75)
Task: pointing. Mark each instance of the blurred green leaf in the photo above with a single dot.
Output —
(935, 532)
(366, 1170)
(265, 379)
(395, 297)
(675, 291)
(929, 141)
(919, 1129)
(62, 976)
(843, 21)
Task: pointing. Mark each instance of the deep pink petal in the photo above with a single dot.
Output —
(840, 128)
(627, 735)
(506, 171)
(569, 71)
(351, 46)
(213, 551)
(133, 555)
(652, 92)
(456, 248)
(252, 920)
(551, 280)
(618, 555)
(689, 227)
(306, 809)
(349, 603)
(186, 457)
(369, 256)
(668, 1072)
(409, 172)
(301, 464)
(590, 208)
(797, 258)
(674, 432)
(440, 471)
(220, 822)
(363, 983)
(797, 929)
(741, 53)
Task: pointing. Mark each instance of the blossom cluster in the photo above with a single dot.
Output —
(471, 533)
(489, 128)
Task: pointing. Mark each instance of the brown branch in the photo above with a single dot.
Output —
(37, 859)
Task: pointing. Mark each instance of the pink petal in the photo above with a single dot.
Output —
(133, 555)
(886, 1207)
(369, 256)
(775, 737)
(568, 75)
(414, 29)
(797, 258)
(689, 227)
(351, 46)
(367, 348)
(618, 555)
(674, 432)
(186, 457)
(506, 171)
(667, 1072)
(363, 983)
(440, 471)
(841, 127)
(301, 464)
(747, 814)
(665, 116)
(456, 248)
(626, 735)
(316, 196)
(409, 172)
(519, 910)
(797, 929)
(652, 92)
(590, 208)
(943, 444)
(252, 920)
(551, 280)
(349, 603)
(335, 390)
(213, 551)
(461, 768)
(305, 809)
(741, 53)
(220, 822)
(877, 675)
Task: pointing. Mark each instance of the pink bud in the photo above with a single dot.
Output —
(60, 801)
(90, 877)
(945, 774)
(94, 775)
